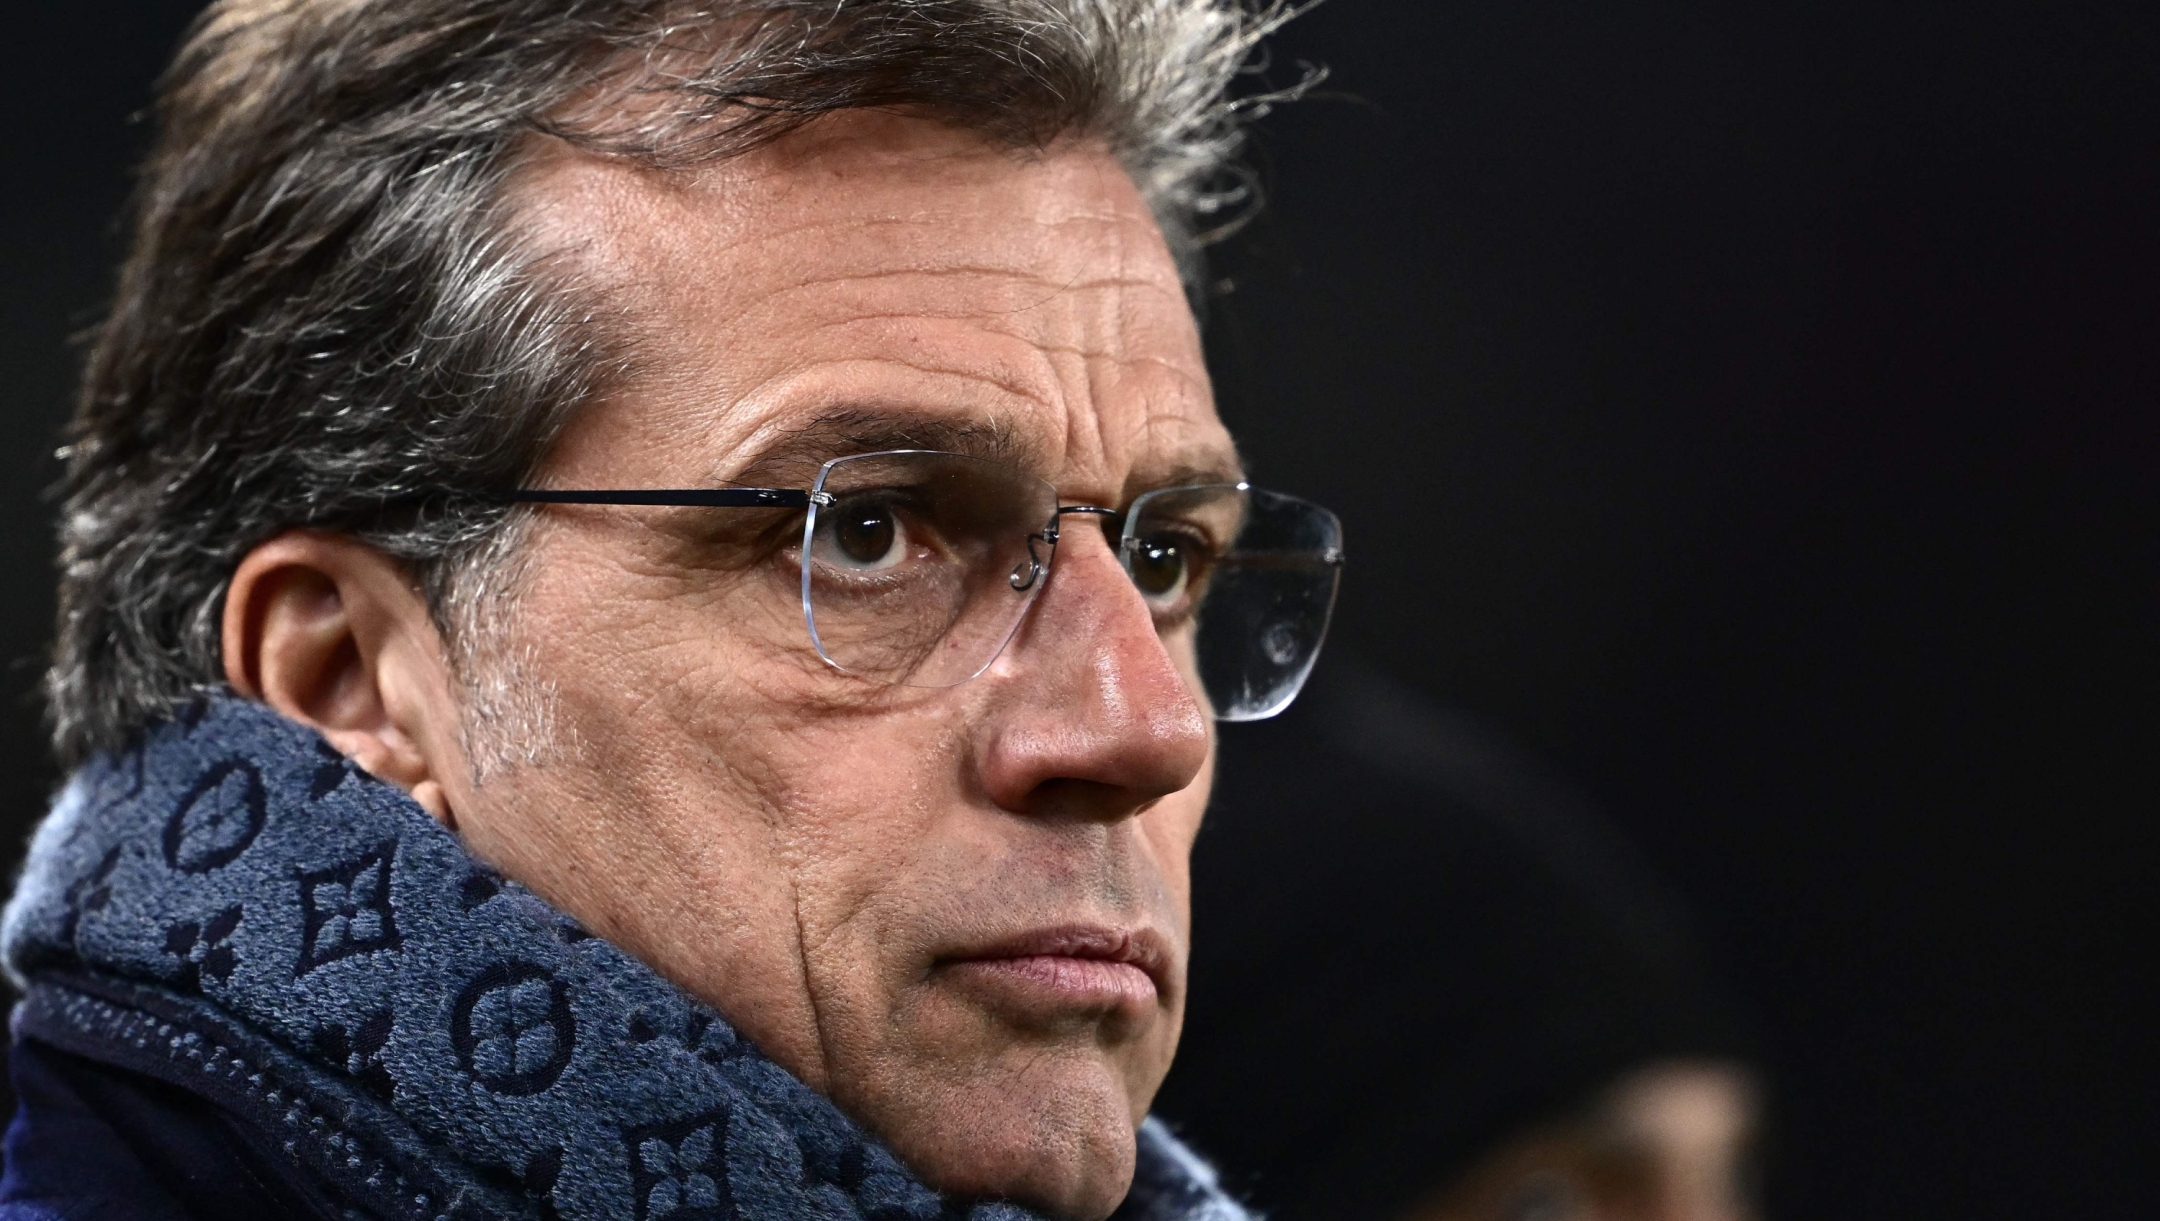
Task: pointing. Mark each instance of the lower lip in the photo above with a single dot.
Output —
(1063, 981)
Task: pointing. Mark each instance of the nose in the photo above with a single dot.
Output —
(1093, 719)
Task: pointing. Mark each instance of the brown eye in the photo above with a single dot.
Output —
(865, 536)
(1158, 567)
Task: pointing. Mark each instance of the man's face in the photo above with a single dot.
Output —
(961, 913)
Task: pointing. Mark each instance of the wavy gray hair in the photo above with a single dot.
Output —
(325, 315)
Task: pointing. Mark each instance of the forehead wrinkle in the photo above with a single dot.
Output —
(746, 229)
(938, 256)
(736, 267)
(724, 221)
(771, 220)
(1101, 369)
(1160, 410)
(1175, 463)
(1038, 339)
(1103, 284)
(781, 398)
(935, 223)
(1055, 290)
(1100, 363)
(1047, 393)
(1197, 383)
(997, 375)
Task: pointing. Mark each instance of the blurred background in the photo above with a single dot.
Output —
(1752, 413)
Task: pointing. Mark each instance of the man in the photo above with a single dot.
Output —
(645, 588)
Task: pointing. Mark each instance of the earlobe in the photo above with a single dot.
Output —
(330, 632)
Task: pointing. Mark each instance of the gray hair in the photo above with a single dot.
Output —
(325, 317)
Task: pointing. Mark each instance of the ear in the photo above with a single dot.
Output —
(332, 633)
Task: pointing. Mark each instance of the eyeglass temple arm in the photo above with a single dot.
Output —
(703, 498)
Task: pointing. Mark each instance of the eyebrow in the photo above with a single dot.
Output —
(796, 452)
(793, 456)
(1205, 467)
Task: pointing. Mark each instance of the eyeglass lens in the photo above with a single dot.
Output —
(1260, 572)
(919, 566)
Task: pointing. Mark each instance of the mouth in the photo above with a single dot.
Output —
(1068, 970)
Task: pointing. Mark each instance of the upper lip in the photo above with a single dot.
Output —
(1141, 947)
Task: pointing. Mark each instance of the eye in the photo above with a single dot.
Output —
(1161, 567)
(862, 535)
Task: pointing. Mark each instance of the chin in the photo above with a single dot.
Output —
(1054, 1130)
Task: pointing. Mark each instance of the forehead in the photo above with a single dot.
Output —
(877, 278)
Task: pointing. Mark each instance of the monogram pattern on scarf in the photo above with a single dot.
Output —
(234, 907)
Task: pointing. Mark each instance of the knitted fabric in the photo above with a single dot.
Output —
(234, 908)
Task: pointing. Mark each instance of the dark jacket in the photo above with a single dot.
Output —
(92, 1142)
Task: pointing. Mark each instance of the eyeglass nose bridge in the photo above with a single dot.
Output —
(1030, 570)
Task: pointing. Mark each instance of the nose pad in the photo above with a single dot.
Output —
(1030, 570)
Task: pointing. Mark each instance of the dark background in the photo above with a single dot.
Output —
(1750, 409)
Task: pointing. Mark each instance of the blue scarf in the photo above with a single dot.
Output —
(234, 908)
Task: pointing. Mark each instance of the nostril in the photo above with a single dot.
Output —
(1071, 799)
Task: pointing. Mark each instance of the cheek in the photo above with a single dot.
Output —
(712, 805)
(670, 734)
(658, 745)
(870, 804)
